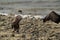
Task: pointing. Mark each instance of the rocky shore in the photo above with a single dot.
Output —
(30, 29)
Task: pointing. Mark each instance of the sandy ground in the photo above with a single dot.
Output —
(30, 29)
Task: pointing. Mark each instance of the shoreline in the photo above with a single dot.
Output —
(23, 16)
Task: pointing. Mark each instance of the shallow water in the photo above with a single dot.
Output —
(41, 7)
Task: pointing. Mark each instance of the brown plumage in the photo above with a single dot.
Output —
(15, 23)
(53, 16)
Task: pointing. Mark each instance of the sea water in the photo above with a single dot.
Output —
(37, 7)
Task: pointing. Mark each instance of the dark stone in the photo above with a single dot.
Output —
(13, 35)
(53, 16)
(23, 36)
(20, 11)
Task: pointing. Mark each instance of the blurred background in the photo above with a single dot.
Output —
(38, 7)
